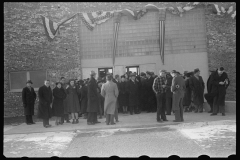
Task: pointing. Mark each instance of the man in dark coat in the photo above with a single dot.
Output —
(209, 96)
(159, 87)
(93, 100)
(197, 86)
(150, 93)
(188, 93)
(65, 102)
(117, 81)
(83, 98)
(168, 94)
(142, 91)
(220, 82)
(45, 103)
(178, 87)
(132, 89)
(28, 99)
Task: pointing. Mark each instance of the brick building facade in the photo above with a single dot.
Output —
(189, 44)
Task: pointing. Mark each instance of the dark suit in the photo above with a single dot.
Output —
(132, 89)
(150, 95)
(169, 95)
(93, 100)
(28, 99)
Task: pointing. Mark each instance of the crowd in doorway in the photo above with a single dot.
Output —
(94, 98)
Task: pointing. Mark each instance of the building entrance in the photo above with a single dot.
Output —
(133, 69)
(102, 72)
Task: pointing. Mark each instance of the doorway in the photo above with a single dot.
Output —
(133, 69)
(102, 72)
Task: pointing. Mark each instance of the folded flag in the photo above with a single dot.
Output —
(94, 18)
(51, 28)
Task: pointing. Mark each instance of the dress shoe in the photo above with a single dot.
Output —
(47, 126)
(165, 120)
(176, 121)
(117, 120)
(160, 121)
(90, 123)
(112, 123)
(210, 111)
(68, 121)
(223, 114)
(73, 122)
(97, 122)
(29, 123)
(77, 121)
(33, 123)
(213, 114)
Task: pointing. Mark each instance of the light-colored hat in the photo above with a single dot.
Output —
(163, 70)
(92, 73)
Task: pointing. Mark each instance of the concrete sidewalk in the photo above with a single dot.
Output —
(126, 121)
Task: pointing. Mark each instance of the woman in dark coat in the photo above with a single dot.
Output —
(93, 100)
(187, 93)
(83, 99)
(219, 82)
(28, 99)
(197, 86)
(45, 103)
(73, 102)
(58, 109)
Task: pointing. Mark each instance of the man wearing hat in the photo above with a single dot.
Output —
(209, 96)
(178, 87)
(159, 87)
(168, 93)
(151, 98)
(93, 100)
(197, 86)
(142, 92)
(219, 82)
(28, 99)
(132, 89)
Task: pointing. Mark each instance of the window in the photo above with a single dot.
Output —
(17, 80)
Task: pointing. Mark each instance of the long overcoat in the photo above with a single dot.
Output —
(217, 89)
(178, 93)
(84, 98)
(149, 90)
(65, 101)
(197, 87)
(168, 87)
(110, 92)
(209, 96)
(45, 99)
(73, 102)
(123, 96)
(188, 93)
(132, 89)
(28, 99)
(118, 86)
(93, 100)
(58, 96)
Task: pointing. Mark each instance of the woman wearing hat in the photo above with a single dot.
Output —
(73, 102)
(83, 98)
(197, 86)
(28, 99)
(58, 96)
(187, 94)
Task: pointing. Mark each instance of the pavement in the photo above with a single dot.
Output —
(133, 136)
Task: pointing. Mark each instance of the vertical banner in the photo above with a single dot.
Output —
(115, 34)
(162, 17)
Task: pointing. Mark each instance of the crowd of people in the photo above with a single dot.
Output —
(166, 93)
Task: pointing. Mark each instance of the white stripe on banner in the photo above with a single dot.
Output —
(230, 9)
(85, 16)
(234, 14)
(223, 9)
(218, 11)
(130, 12)
(55, 25)
(94, 14)
(187, 8)
(48, 28)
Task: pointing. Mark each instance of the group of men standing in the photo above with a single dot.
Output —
(164, 93)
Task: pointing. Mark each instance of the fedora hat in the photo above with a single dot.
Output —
(29, 81)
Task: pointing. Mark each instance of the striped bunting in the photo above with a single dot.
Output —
(133, 13)
(162, 17)
(94, 18)
(51, 28)
(224, 8)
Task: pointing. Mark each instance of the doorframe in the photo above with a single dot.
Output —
(135, 66)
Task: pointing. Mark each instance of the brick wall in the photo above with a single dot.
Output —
(27, 48)
(221, 41)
